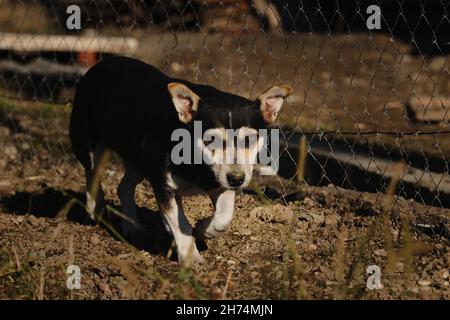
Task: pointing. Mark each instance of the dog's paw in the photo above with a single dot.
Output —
(191, 260)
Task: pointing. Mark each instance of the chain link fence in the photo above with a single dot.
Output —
(371, 79)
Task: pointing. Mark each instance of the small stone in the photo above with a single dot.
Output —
(95, 239)
(312, 247)
(424, 283)
(231, 262)
(380, 252)
(331, 220)
(10, 151)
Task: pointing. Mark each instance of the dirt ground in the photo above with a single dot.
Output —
(287, 240)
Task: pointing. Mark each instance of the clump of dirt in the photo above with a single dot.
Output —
(318, 247)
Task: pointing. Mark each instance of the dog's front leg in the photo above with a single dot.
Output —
(224, 206)
(181, 229)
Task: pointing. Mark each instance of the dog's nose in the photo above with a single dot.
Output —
(235, 179)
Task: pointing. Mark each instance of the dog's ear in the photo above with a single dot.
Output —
(272, 100)
(185, 101)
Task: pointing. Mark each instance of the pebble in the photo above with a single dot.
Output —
(331, 220)
(231, 262)
(424, 283)
(380, 252)
(95, 239)
(10, 151)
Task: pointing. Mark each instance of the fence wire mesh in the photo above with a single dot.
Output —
(370, 106)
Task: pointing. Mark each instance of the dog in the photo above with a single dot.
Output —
(131, 108)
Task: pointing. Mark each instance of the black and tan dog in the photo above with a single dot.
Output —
(133, 109)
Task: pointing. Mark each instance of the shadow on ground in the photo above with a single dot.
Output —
(51, 203)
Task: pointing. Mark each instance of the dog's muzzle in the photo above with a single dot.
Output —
(235, 180)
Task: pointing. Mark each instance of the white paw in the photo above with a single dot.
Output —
(191, 258)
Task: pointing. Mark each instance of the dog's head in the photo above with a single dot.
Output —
(230, 125)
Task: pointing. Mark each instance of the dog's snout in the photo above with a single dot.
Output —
(235, 179)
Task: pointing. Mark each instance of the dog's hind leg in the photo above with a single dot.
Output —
(224, 206)
(95, 196)
(126, 192)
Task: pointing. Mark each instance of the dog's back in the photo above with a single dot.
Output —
(105, 112)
